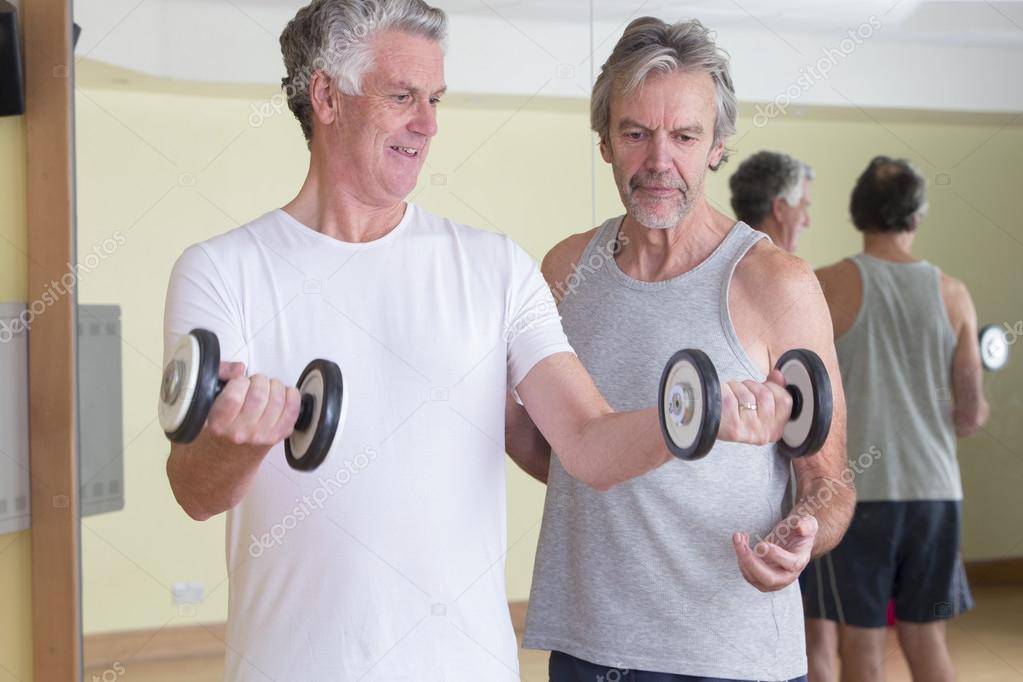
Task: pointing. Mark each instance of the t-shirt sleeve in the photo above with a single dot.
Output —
(533, 326)
(198, 296)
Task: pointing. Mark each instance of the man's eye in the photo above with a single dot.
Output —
(401, 99)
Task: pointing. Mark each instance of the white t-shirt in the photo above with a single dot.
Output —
(387, 562)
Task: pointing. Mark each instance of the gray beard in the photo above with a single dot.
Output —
(658, 221)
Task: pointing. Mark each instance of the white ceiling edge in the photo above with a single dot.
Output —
(890, 64)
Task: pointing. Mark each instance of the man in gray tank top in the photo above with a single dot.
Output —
(657, 578)
(907, 345)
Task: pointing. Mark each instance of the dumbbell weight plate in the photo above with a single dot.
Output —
(994, 351)
(689, 404)
(808, 381)
(323, 412)
(189, 385)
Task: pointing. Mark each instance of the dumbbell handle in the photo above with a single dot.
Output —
(305, 411)
(797, 402)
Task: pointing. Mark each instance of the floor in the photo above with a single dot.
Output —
(986, 646)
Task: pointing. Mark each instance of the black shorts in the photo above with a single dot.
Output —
(566, 668)
(906, 551)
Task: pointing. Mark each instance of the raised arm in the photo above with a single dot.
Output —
(604, 448)
(970, 408)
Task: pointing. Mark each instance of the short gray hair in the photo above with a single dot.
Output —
(651, 45)
(335, 36)
(761, 179)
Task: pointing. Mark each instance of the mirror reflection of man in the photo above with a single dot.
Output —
(771, 193)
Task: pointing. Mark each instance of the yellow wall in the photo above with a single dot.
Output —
(171, 164)
(15, 548)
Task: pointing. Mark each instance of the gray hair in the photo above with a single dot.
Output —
(336, 36)
(761, 179)
(651, 45)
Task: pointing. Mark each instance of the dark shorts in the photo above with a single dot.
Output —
(902, 551)
(565, 668)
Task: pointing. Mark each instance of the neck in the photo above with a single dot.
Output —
(652, 255)
(335, 210)
(889, 246)
(777, 235)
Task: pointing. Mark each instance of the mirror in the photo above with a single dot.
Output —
(183, 134)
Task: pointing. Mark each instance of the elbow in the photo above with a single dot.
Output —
(196, 514)
(600, 483)
(188, 503)
(968, 424)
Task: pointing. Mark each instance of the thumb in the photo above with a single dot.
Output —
(231, 370)
(807, 526)
(776, 377)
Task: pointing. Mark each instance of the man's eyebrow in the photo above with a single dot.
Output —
(692, 129)
(413, 89)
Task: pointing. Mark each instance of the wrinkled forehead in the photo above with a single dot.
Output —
(675, 100)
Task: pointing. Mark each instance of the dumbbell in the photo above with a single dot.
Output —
(994, 350)
(689, 400)
(190, 384)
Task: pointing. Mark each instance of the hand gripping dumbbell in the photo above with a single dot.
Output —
(994, 350)
(191, 383)
(689, 401)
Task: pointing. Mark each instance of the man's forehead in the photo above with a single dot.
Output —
(673, 101)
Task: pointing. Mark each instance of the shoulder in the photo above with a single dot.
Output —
(771, 275)
(563, 258)
(236, 242)
(957, 300)
(479, 240)
(838, 278)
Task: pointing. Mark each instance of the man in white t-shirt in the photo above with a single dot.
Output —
(387, 562)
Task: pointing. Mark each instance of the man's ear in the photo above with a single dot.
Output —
(717, 152)
(777, 210)
(605, 151)
(322, 96)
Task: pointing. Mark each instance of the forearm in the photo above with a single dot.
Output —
(831, 501)
(523, 441)
(615, 447)
(207, 480)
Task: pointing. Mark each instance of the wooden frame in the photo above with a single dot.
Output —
(52, 374)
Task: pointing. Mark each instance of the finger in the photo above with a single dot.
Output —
(757, 572)
(781, 401)
(765, 413)
(246, 423)
(776, 556)
(230, 370)
(749, 422)
(266, 432)
(227, 406)
(285, 425)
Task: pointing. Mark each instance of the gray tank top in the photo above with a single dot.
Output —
(896, 363)
(644, 576)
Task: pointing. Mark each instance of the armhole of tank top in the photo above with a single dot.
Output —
(862, 272)
(950, 331)
(738, 350)
(603, 231)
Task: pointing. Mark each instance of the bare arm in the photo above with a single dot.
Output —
(599, 446)
(796, 315)
(970, 408)
(251, 415)
(824, 489)
(525, 444)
